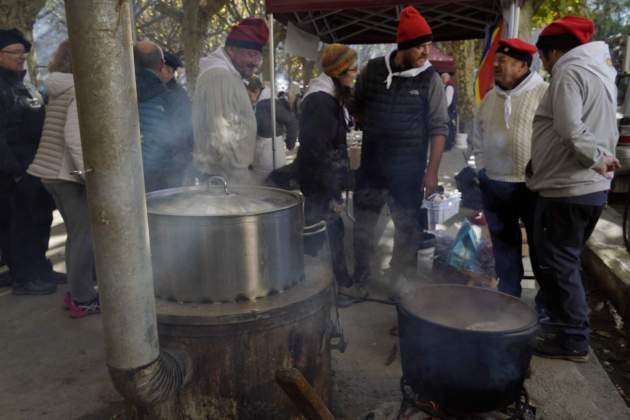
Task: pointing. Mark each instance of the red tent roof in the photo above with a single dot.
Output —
(375, 21)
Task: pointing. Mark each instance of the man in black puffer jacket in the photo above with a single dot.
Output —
(25, 206)
(402, 108)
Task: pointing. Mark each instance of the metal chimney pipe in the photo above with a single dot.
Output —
(101, 40)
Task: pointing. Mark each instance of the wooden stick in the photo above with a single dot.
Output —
(302, 394)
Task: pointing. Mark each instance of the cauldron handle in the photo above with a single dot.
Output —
(221, 179)
(314, 229)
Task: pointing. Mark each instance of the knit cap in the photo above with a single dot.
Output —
(413, 29)
(568, 31)
(251, 33)
(337, 59)
(13, 36)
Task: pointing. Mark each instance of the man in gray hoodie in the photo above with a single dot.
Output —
(573, 146)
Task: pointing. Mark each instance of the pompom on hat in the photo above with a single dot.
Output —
(13, 36)
(336, 59)
(517, 49)
(567, 31)
(413, 29)
(250, 33)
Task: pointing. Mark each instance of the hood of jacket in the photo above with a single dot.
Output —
(217, 59)
(593, 57)
(413, 72)
(322, 83)
(148, 85)
(58, 83)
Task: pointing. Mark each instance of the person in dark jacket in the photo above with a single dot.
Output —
(322, 159)
(182, 119)
(286, 131)
(25, 206)
(401, 106)
(156, 112)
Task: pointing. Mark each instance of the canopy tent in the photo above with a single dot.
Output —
(375, 21)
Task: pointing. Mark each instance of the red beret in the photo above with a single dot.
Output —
(251, 33)
(509, 45)
(413, 29)
(578, 26)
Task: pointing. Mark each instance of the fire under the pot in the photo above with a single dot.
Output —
(414, 408)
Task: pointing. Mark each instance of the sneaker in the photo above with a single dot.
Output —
(5, 279)
(552, 348)
(67, 301)
(357, 292)
(34, 288)
(57, 278)
(80, 310)
(344, 301)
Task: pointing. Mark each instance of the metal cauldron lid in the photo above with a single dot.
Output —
(221, 199)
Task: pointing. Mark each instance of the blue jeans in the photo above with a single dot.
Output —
(504, 204)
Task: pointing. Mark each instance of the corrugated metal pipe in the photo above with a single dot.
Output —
(100, 35)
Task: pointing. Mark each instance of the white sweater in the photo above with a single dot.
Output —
(502, 134)
(223, 119)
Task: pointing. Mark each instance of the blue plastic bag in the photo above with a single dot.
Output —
(464, 253)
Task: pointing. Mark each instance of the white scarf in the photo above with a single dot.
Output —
(406, 73)
(526, 85)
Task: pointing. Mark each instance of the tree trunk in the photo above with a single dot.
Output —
(466, 55)
(21, 14)
(197, 15)
(528, 9)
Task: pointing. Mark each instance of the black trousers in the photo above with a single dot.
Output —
(368, 203)
(560, 233)
(317, 208)
(26, 210)
(504, 204)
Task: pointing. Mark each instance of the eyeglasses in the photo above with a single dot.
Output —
(16, 53)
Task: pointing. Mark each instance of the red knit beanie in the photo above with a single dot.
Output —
(578, 26)
(413, 29)
(566, 33)
(251, 33)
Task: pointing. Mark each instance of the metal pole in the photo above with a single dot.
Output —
(272, 77)
(513, 33)
(100, 35)
(517, 17)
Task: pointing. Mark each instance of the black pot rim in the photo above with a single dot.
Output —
(533, 326)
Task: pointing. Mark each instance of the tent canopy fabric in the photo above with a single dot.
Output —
(375, 21)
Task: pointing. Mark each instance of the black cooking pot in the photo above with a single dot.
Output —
(465, 348)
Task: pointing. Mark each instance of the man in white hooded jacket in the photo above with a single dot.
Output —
(224, 122)
(573, 146)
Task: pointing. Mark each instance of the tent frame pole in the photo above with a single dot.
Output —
(272, 77)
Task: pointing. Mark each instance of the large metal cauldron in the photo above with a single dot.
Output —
(465, 348)
(237, 347)
(218, 243)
